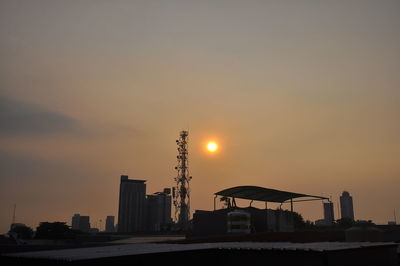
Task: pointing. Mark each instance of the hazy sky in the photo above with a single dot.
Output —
(302, 96)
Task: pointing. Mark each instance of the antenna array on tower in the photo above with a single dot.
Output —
(181, 192)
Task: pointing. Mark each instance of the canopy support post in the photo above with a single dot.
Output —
(291, 205)
(266, 215)
(291, 212)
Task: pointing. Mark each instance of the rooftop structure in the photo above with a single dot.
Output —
(264, 194)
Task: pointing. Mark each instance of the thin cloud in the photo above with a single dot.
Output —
(22, 119)
(25, 119)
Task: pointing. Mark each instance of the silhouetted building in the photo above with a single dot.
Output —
(75, 222)
(110, 224)
(94, 230)
(322, 223)
(15, 225)
(84, 223)
(328, 212)
(207, 223)
(346, 206)
(159, 210)
(81, 223)
(132, 202)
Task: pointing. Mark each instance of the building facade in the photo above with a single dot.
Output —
(81, 223)
(132, 205)
(328, 212)
(110, 224)
(346, 206)
(75, 221)
(159, 211)
(207, 223)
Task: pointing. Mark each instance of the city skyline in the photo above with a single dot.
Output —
(298, 96)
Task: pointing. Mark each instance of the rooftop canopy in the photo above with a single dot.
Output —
(262, 194)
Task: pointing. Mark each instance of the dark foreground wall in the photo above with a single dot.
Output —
(379, 256)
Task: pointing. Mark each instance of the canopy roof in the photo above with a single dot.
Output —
(261, 194)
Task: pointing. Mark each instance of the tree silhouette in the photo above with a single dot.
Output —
(345, 222)
(55, 230)
(22, 231)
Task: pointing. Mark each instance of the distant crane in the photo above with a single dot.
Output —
(181, 192)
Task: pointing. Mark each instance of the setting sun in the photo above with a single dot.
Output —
(212, 146)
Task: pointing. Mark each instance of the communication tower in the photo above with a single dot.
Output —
(181, 192)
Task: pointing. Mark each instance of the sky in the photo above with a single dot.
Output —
(302, 96)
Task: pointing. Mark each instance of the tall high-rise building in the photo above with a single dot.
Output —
(132, 203)
(80, 222)
(328, 212)
(159, 210)
(110, 224)
(346, 205)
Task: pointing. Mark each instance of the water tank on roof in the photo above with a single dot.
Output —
(238, 222)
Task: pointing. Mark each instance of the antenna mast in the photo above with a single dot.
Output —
(13, 219)
(181, 192)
